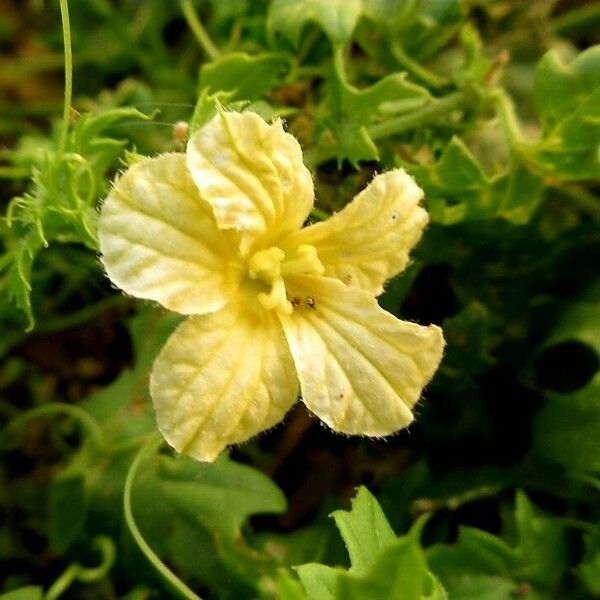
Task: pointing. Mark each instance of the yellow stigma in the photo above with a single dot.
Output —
(271, 266)
(304, 260)
(266, 264)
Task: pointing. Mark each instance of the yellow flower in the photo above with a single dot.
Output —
(275, 308)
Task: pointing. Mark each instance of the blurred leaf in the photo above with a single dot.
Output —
(431, 25)
(568, 99)
(31, 592)
(589, 569)
(247, 77)
(539, 558)
(337, 18)
(457, 189)
(67, 510)
(567, 429)
(289, 588)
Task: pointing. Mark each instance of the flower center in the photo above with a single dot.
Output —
(272, 265)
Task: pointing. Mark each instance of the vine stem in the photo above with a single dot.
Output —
(423, 116)
(57, 408)
(433, 80)
(506, 111)
(145, 452)
(66, 30)
(77, 572)
(198, 30)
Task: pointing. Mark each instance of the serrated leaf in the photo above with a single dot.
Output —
(17, 276)
(383, 565)
(337, 18)
(364, 529)
(67, 510)
(59, 205)
(457, 188)
(568, 99)
(221, 496)
(399, 572)
(349, 111)
(246, 77)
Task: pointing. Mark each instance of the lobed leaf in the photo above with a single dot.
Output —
(337, 18)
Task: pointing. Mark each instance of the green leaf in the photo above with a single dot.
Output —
(457, 188)
(568, 100)
(484, 587)
(390, 13)
(289, 588)
(399, 572)
(432, 24)
(31, 592)
(247, 77)
(16, 273)
(364, 529)
(344, 119)
(589, 570)
(319, 581)
(420, 26)
(67, 510)
(383, 565)
(218, 496)
(542, 549)
(60, 204)
(539, 558)
(337, 18)
(475, 552)
(567, 428)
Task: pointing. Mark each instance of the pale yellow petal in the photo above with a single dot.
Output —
(361, 369)
(251, 173)
(369, 241)
(221, 379)
(159, 241)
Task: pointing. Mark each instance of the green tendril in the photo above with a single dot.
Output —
(66, 30)
(145, 452)
(77, 572)
(58, 408)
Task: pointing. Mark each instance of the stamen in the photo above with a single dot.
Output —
(276, 299)
(266, 264)
(304, 261)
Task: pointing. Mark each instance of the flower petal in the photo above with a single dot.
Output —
(361, 370)
(370, 239)
(221, 379)
(251, 173)
(159, 241)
